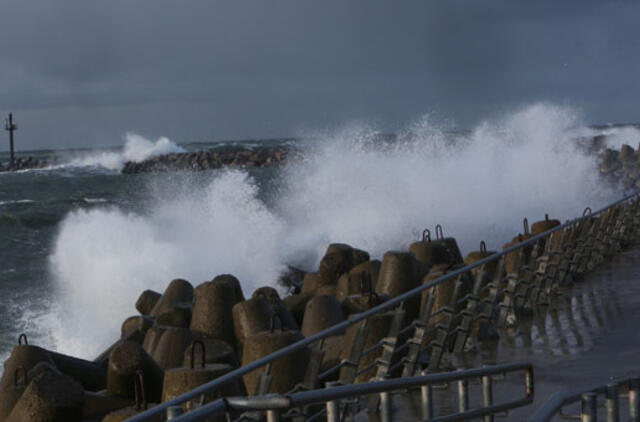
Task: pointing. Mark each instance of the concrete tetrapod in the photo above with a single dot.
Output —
(250, 317)
(544, 225)
(217, 351)
(296, 305)
(178, 381)
(378, 328)
(91, 375)
(146, 301)
(135, 323)
(179, 291)
(124, 362)
(431, 253)
(212, 311)
(23, 357)
(400, 273)
(278, 306)
(9, 396)
(169, 351)
(321, 312)
(140, 404)
(287, 371)
(50, 397)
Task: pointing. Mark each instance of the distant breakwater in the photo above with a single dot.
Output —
(26, 163)
(206, 160)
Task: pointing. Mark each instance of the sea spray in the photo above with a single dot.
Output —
(350, 187)
(104, 257)
(136, 148)
(479, 186)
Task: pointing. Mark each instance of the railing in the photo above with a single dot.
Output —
(588, 397)
(275, 404)
(538, 267)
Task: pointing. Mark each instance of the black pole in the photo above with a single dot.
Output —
(9, 126)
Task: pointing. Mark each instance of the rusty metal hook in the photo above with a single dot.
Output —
(426, 235)
(16, 373)
(587, 211)
(439, 235)
(525, 225)
(272, 326)
(138, 390)
(22, 336)
(193, 352)
(483, 247)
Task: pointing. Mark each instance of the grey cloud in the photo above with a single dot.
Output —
(203, 70)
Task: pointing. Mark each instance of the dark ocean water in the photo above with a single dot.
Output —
(80, 241)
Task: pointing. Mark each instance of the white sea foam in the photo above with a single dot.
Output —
(350, 188)
(136, 148)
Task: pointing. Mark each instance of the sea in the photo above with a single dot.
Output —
(79, 240)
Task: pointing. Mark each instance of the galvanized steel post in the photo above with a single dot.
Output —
(333, 408)
(487, 395)
(589, 407)
(385, 407)
(463, 395)
(273, 416)
(427, 399)
(634, 400)
(612, 403)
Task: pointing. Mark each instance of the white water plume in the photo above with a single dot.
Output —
(350, 188)
(136, 148)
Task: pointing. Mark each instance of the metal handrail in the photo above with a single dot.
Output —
(557, 401)
(324, 395)
(340, 327)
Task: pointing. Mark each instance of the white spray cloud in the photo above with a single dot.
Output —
(350, 188)
(136, 148)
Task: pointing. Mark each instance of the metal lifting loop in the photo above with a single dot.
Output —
(587, 211)
(273, 322)
(525, 224)
(483, 247)
(193, 352)
(16, 374)
(426, 235)
(138, 390)
(439, 235)
(22, 336)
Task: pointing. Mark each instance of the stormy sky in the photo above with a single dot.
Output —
(82, 73)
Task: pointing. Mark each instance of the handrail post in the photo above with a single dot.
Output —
(386, 414)
(273, 415)
(333, 408)
(634, 402)
(463, 395)
(427, 399)
(612, 403)
(487, 395)
(589, 407)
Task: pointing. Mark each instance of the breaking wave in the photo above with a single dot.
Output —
(352, 186)
(136, 148)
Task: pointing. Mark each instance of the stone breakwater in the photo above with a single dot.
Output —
(206, 160)
(190, 335)
(26, 163)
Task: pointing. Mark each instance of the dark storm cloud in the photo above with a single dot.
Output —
(196, 70)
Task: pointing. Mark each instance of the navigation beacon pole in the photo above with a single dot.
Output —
(9, 126)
